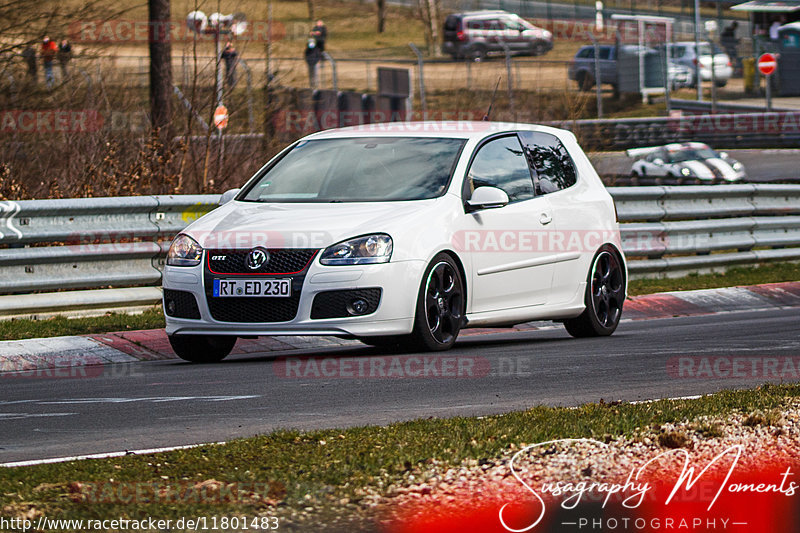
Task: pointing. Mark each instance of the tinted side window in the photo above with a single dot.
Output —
(583, 53)
(501, 163)
(451, 23)
(494, 24)
(553, 166)
(605, 53)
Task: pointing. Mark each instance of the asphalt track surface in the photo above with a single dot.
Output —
(763, 166)
(167, 403)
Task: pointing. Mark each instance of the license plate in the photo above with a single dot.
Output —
(275, 288)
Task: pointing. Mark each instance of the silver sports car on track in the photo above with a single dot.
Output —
(678, 163)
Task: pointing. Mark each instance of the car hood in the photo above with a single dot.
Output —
(300, 225)
(713, 168)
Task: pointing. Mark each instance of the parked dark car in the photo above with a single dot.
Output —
(477, 33)
(582, 68)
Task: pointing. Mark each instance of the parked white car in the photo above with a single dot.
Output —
(402, 233)
(685, 53)
(690, 162)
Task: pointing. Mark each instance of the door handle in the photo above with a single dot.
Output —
(544, 219)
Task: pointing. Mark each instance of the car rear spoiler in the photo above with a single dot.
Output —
(639, 152)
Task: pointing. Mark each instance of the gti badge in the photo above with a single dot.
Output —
(257, 258)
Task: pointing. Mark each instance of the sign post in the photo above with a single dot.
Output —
(766, 66)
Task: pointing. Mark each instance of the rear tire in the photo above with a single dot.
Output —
(605, 295)
(202, 348)
(440, 305)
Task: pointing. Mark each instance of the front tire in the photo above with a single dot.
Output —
(605, 295)
(440, 305)
(202, 348)
(385, 341)
(477, 53)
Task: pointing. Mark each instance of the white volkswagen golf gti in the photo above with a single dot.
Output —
(401, 234)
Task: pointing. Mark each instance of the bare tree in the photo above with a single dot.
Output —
(381, 15)
(311, 12)
(160, 65)
(428, 12)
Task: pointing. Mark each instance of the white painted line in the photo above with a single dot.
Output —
(189, 446)
(695, 397)
(108, 455)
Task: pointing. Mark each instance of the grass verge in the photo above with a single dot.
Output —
(153, 319)
(312, 473)
(767, 273)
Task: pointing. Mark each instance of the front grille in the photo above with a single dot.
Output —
(281, 261)
(337, 304)
(254, 309)
(180, 304)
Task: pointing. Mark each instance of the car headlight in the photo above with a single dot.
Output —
(547, 35)
(737, 166)
(184, 251)
(369, 249)
(686, 172)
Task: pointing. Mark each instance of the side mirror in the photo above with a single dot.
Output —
(228, 195)
(658, 161)
(487, 198)
(723, 155)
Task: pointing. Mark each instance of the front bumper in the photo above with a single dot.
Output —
(398, 281)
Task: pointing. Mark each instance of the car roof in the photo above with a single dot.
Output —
(672, 147)
(677, 147)
(454, 129)
(486, 12)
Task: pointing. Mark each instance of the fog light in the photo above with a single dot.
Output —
(170, 307)
(358, 306)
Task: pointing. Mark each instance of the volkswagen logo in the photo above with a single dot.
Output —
(257, 258)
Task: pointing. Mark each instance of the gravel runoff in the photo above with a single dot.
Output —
(772, 437)
(442, 488)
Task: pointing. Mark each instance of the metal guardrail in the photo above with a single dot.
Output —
(97, 243)
(113, 248)
(677, 230)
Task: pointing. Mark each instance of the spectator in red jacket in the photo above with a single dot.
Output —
(48, 53)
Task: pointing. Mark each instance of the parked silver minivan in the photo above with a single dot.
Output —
(475, 34)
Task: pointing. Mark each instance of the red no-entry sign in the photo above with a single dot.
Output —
(221, 117)
(767, 64)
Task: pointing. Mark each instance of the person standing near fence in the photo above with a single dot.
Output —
(48, 53)
(320, 34)
(29, 55)
(313, 57)
(64, 56)
(231, 58)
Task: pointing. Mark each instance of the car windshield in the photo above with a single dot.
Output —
(692, 154)
(359, 170)
(705, 49)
